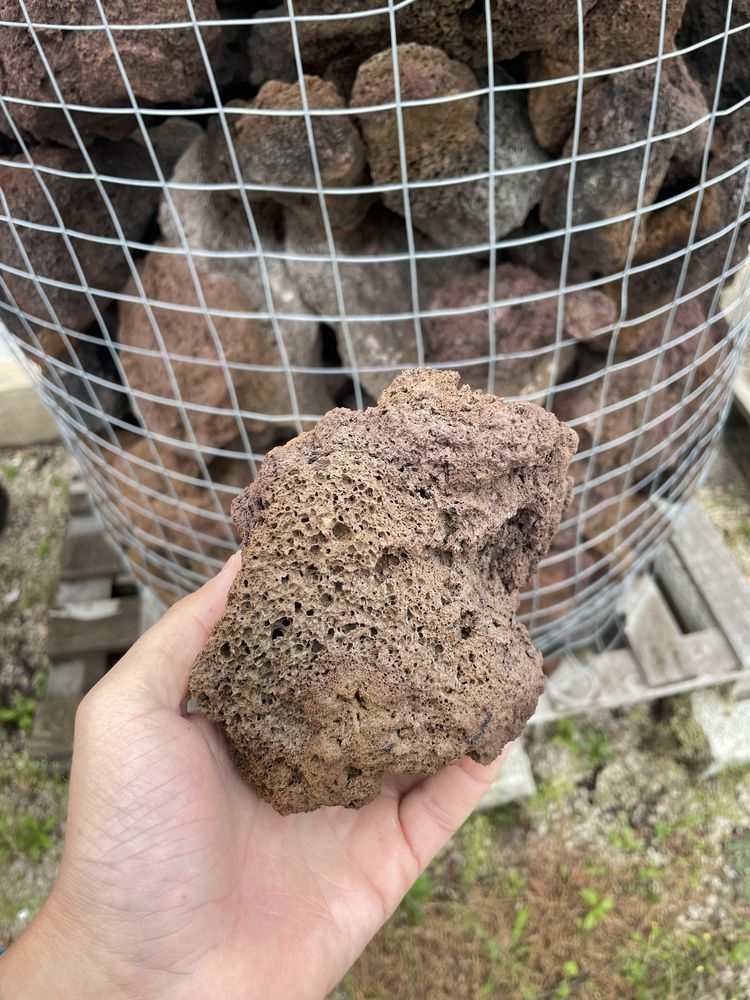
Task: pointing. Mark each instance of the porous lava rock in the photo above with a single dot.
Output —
(615, 33)
(105, 267)
(229, 269)
(275, 149)
(457, 26)
(645, 415)
(372, 284)
(162, 65)
(448, 139)
(371, 628)
(525, 330)
(616, 112)
(705, 19)
(173, 511)
(269, 48)
(196, 370)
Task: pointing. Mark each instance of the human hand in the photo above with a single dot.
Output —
(177, 881)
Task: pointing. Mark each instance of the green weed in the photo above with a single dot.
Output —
(599, 907)
(26, 835)
(20, 714)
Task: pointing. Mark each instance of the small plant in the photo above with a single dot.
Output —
(26, 835)
(62, 487)
(44, 547)
(476, 847)
(744, 531)
(589, 743)
(20, 714)
(599, 907)
(519, 925)
(410, 910)
(10, 471)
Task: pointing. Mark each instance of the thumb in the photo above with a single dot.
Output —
(155, 671)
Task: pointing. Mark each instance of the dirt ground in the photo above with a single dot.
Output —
(626, 875)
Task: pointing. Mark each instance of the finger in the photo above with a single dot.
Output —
(435, 808)
(157, 667)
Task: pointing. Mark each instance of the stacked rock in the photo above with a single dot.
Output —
(216, 228)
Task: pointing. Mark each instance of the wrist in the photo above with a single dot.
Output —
(53, 961)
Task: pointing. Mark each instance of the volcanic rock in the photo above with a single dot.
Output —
(161, 65)
(448, 139)
(456, 26)
(81, 207)
(374, 287)
(616, 112)
(275, 149)
(371, 628)
(615, 33)
(526, 331)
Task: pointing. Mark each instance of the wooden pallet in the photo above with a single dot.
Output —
(94, 619)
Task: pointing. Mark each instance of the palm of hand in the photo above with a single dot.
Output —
(176, 866)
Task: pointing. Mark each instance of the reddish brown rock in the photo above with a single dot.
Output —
(371, 628)
(525, 330)
(616, 112)
(653, 404)
(444, 140)
(162, 65)
(203, 346)
(372, 285)
(616, 33)
(174, 513)
(275, 149)
(557, 583)
(457, 26)
(706, 19)
(104, 266)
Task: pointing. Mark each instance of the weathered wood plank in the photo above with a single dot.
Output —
(95, 588)
(86, 552)
(24, 420)
(107, 626)
(52, 735)
(717, 576)
(75, 676)
(80, 500)
(653, 635)
(675, 580)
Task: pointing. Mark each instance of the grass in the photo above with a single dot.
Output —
(510, 913)
(20, 713)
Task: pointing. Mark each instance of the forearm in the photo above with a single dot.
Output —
(50, 962)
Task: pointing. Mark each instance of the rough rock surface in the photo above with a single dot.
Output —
(457, 26)
(706, 19)
(269, 49)
(642, 431)
(448, 139)
(616, 112)
(274, 149)
(370, 288)
(371, 628)
(82, 208)
(616, 33)
(165, 502)
(200, 378)
(211, 223)
(162, 65)
(170, 140)
(526, 331)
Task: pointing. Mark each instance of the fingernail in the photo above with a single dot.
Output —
(232, 564)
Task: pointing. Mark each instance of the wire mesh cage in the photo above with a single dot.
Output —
(221, 219)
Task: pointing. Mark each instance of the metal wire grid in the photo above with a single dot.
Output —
(155, 525)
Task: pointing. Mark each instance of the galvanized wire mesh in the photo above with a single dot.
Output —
(189, 299)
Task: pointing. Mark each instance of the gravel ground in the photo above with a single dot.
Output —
(32, 801)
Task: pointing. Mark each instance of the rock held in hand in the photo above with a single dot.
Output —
(371, 628)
